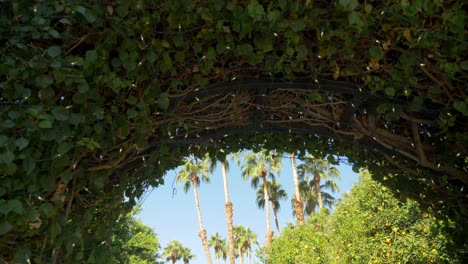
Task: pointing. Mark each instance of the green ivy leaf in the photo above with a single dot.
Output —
(132, 113)
(8, 124)
(354, 19)
(263, 43)
(45, 124)
(91, 55)
(390, 91)
(48, 209)
(5, 227)
(89, 143)
(7, 157)
(255, 10)
(21, 143)
(461, 107)
(61, 113)
(315, 96)
(163, 101)
(54, 51)
(3, 140)
(376, 52)
(29, 164)
(67, 176)
(43, 81)
(464, 65)
(349, 5)
(12, 206)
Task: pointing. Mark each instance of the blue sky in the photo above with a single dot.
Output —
(172, 213)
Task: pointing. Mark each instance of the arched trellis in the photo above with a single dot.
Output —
(338, 110)
(85, 87)
(225, 115)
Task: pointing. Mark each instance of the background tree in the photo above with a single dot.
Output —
(229, 209)
(369, 225)
(188, 175)
(309, 197)
(173, 251)
(296, 201)
(320, 169)
(133, 242)
(276, 194)
(240, 238)
(245, 238)
(186, 255)
(218, 243)
(258, 166)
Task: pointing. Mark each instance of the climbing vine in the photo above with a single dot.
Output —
(100, 98)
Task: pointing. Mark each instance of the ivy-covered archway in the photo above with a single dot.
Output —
(100, 98)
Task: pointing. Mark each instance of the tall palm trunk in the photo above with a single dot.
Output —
(298, 206)
(241, 255)
(317, 188)
(202, 233)
(229, 214)
(276, 216)
(269, 233)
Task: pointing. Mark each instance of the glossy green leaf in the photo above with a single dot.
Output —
(29, 164)
(45, 124)
(163, 101)
(5, 227)
(7, 157)
(3, 140)
(255, 10)
(349, 5)
(461, 107)
(21, 143)
(376, 52)
(354, 19)
(8, 124)
(54, 51)
(14, 206)
(60, 113)
(43, 81)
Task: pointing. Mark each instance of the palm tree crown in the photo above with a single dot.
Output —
(173, 251)
(188, 175)
(276, 194)
(259, 166)
(218, 243)
(244, 239)
(311, 188)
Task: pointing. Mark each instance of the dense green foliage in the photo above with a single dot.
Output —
(133, 242)
(369, 226)
(88, 91)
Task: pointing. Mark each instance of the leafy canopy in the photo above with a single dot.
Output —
(99, 98)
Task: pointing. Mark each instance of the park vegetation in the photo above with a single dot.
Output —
(99, 99)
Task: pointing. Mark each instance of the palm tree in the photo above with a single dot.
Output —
(173, 251)
(187, 255)
(239, 238)
(244, 239)
(320, 170)
(218, 243)
(297, 201)
(228, 207)
(276, 193)
(188, 175)
(258, 166)
(225, 251)
(250, 238)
